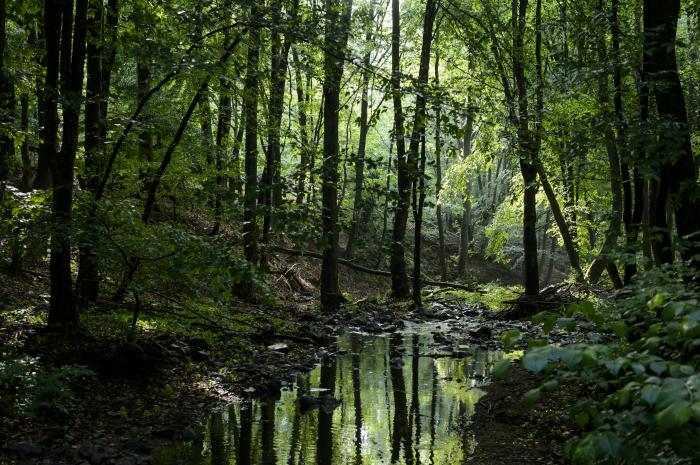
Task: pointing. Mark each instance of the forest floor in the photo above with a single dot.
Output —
(152, 390)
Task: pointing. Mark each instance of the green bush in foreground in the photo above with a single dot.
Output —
(638, 378)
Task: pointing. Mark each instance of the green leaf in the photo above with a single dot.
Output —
(531, 397)
(536, 360)
(674, 416)
(650, 393)
(502, 369)
(620, 328)
(510, 338)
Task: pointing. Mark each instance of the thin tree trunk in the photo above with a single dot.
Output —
(442, 253)
(600, 263)
(7, 103)
(250, 110)
(418, 203)
(465, 223)
(399, 278)
(26, 159)
(362, 143)
(303, 131)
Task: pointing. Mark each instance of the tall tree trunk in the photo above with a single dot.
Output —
(65, 26)
(615, 224)
(250, 111)
(399, 277)
(442, 253)
(416, 162)
(26, 159)
(362, 143)
(303, 130)
(677, 171)
(7, 103)
(223, 131)
(279, 57)
(418, 203)
(465, 223)
(527, 152)
(87, 285)
(336, 37)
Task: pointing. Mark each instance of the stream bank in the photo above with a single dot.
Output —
(157, 390)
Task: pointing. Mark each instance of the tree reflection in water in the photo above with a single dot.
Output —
(401, 405)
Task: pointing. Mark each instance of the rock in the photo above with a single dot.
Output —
(163, 433)
(483, 332)
(279, 347)
(187, 435)
(25, 449)
(137, 447)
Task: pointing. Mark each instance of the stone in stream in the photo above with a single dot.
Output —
(25, 449)
(483, 332)
(279, 347)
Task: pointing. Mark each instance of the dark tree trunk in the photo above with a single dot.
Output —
(250, 111)
(677, 170)
(223, 131)
(87, 286)
(27, 172)
(527, 152)
(336, 36)
(416, 162)
(65, 29)
(399, 277)
(7, 103)
(279, 57)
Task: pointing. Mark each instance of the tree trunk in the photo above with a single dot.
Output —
(677, 171)
(442, 253)
(399, 278)
(362, 143)
(418, 202)
(7, 103)
(560, 220)
(26, 159)
(465, 223)
(65, 49)
(600, 263)
(336, 36)
(302, 104)
(250, 110)
(527, 152)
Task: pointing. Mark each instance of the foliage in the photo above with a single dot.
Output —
(29, 387)
(639, 377)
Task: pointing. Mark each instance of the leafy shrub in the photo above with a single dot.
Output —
(28, 388)
(640, 390)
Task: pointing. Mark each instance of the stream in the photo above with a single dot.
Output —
(401, 398)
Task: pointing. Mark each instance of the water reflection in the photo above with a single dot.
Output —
(400, 404)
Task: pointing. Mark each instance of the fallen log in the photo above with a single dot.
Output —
(364, 269)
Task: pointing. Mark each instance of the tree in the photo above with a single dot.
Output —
(337, 26)
(65, 33)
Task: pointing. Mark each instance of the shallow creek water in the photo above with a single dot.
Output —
(402, 398)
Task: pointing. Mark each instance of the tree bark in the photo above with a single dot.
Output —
(600, 263)
(677, 170)
(527, 152)
(65, 29)
(250, 110)
(7, 103)
(336, 36)
(399, 279)
(465, 223)
(362, 143)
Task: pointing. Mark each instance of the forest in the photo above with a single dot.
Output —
(349, 232)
